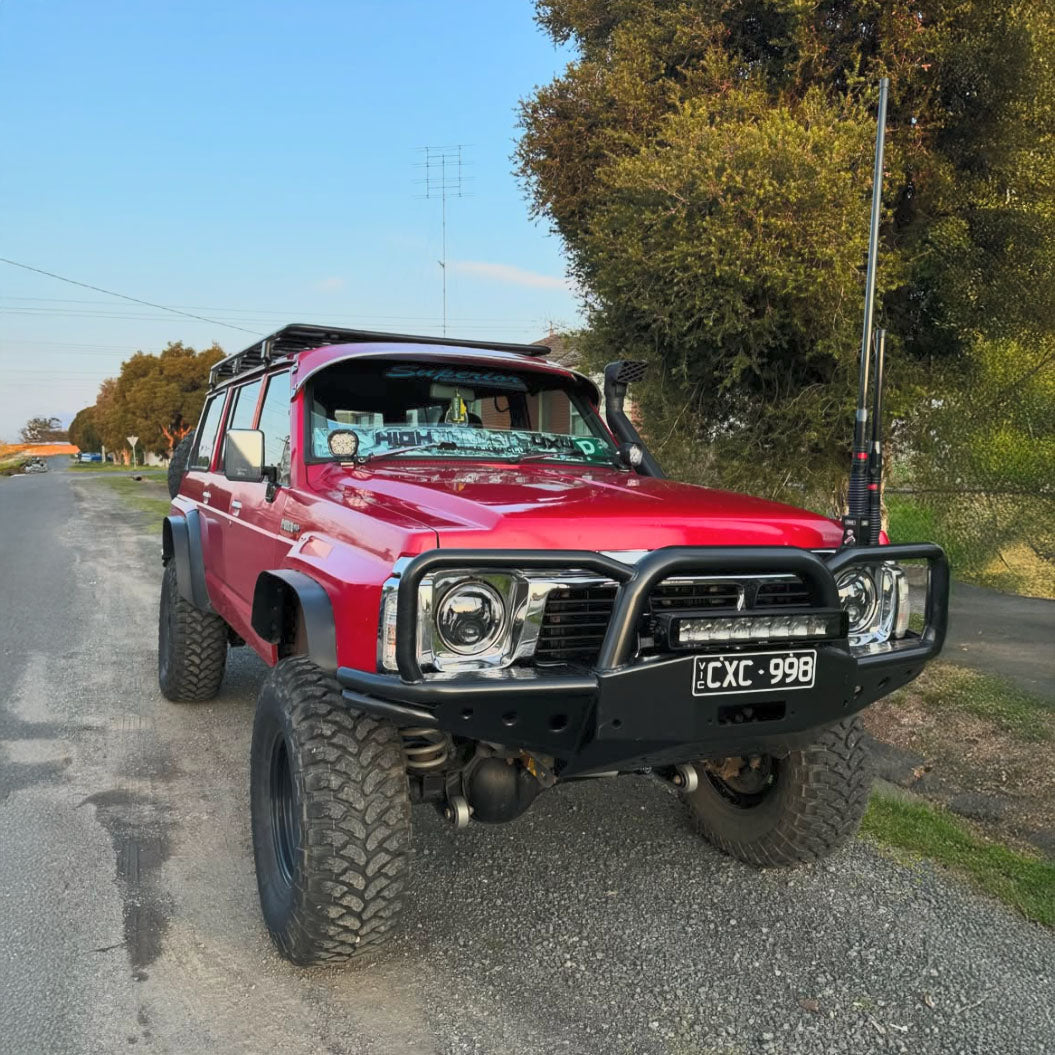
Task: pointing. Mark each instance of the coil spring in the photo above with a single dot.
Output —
(426, 749)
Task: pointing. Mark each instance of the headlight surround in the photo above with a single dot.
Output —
(876, 601)
(470, 618)
(859, 597)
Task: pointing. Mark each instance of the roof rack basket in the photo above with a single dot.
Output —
(300, 337)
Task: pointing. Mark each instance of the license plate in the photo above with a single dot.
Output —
(753, 672)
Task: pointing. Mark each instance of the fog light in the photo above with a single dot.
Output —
(719, 630)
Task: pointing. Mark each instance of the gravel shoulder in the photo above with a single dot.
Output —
(596, 923)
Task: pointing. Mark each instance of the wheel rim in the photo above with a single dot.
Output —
(285, 832)
(744, 783)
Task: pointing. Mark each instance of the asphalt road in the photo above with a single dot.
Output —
(1002, 634)
(596, 924)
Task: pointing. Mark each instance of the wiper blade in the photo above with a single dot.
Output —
(441, 445)
(543, 456)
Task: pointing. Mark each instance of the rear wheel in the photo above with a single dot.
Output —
(330, 816)
(768, 810)
(192, 646)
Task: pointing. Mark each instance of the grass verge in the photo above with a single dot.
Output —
(110, 467)
(1024, 715)
(148, 495)
(1024, 882)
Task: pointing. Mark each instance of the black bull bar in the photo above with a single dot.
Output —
(618, 714)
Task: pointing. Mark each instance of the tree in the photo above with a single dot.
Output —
(84, 430)
(43, 430)
(707, 164)
(155, 397)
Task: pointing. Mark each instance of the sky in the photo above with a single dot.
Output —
(257, 163)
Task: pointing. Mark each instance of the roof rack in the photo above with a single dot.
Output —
(300, 337)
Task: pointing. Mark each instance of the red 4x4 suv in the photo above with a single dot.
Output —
(470, 588)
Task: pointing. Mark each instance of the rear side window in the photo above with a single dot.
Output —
(244, 406)
(274, 424)
(207, 430)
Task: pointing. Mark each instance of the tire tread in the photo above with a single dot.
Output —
(198, 650)
(831, 782)
(349, 881)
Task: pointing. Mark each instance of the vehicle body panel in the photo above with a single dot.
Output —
(346, 526)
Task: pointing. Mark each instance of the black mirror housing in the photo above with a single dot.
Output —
(243, 455)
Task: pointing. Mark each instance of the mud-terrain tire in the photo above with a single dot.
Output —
(811, 805)
(192, 646)
(330, 812)
(178, 463)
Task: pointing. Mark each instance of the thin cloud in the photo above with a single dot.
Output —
(331, 285)
(511, 276)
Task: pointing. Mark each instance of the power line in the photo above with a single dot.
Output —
(123, 296)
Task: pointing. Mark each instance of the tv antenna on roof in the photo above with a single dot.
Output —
(444, 178)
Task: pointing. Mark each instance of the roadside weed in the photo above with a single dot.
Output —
(1024, 882)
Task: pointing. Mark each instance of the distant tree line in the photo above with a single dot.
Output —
(155, 397)
(42, 430)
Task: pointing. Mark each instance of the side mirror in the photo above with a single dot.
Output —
(243, 455)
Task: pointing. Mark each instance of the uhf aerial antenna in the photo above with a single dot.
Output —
(444, 178)
(875, 455)
(858, 528)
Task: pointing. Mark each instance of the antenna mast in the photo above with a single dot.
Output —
(443, 179)
(857, 528)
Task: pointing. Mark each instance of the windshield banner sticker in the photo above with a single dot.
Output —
(468, 441)
(452, 375)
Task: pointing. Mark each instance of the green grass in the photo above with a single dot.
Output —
(110, 467)
(148, 495)
(1021, 714)
(1026, 883)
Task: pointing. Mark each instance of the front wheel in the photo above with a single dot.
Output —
(330, 815)
(772, 811)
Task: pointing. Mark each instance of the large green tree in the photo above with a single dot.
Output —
(707, 164)
(155, 397)
(84, 430)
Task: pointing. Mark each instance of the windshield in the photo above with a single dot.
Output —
(452, 410)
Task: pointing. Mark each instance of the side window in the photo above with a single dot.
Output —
(244, 406)
(274, 424)
(207, 430)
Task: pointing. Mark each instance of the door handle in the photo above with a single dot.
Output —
(206, 495)
(235, 504)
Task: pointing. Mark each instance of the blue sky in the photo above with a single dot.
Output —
(254, 162)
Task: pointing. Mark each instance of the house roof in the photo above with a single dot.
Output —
(562, 351)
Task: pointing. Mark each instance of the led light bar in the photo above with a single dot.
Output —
(721, 629)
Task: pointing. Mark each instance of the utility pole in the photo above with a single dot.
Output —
(444, 178)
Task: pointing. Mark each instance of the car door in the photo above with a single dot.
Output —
(254, 522)
(201, 485)
(229, 500)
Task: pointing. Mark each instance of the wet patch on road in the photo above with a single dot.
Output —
(139, 830)
(14, 776)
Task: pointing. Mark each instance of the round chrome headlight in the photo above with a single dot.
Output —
(470, 618)
(859, 598)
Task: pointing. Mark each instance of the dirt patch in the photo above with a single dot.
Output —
(972, 765)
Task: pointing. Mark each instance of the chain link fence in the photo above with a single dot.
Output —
(980, 478)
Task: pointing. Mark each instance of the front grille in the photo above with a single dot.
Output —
(576, 617)
(781, 592)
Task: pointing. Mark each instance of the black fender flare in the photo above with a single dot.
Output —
(276, 597)
(181, 542)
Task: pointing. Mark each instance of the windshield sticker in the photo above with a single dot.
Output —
(468, 441)
(450, 375)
